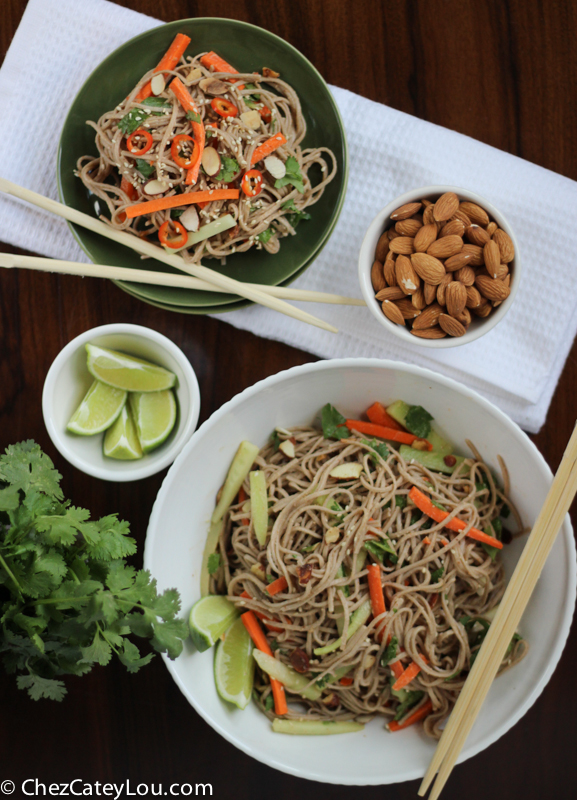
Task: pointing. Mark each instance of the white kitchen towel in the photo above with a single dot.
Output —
(516, 365)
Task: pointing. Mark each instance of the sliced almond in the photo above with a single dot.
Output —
(477, 235)
(350, 470)
(446, 246)
(390, 293)
(210, 161)
(446, 206)
(475, 213)
(466, 275)
(392, 312)
(455, 227)
(407, 278)
(406, 211)
(408, 227)
(456, 295)
(157, 83)
(430, 333)
(451, 326)
(214, 86)
(428, 318)
(506, 246)
(275, 166)
(189, 218)
(382, 248)
(377, 276)
(156, 187)
(428, 268)
(287, 448)
(403, 245)
(193, 75)
(332, 536)
(258, 570)
(252, 119)
(425, 237)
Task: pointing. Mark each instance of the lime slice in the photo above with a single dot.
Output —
(234, 666)
(100, 407)
(209, 619)
(154, 415)
(121, 441)
(127, 372)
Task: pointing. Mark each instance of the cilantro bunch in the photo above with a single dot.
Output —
(68, 600)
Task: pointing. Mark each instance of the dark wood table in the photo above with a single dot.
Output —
(502, 72)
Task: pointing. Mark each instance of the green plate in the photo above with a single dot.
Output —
(249, 48)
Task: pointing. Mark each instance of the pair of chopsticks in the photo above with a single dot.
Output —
(202, 278)
(513, 604)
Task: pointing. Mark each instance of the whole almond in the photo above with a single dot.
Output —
(460, 260)
(506, 281)
(451, 326)
(389, 269)
(475, 213)
(446, 246)
(491, 228)
(474, 298)
(506, 246)
(392, 234)
(430, 333)
(492, 256)
(464, 218)
(377, 276)
(418, 299)
(430, 292)
(492, 289)
(426, 202)
(464, 317)
(425, 237)
(456, 295)
(466, 275)
(483, 309)
(477, 259)
(402, 244)
(407, 278)
(406, 211)
(391, 312)
(407, 309)
(455, 227)
(499, 273)
(446, 206)
(390, 293)
(428, 217)
(442, 289)
(429, 268)
(408, 227)
(477, 235)
(382, 248)
(428, 318)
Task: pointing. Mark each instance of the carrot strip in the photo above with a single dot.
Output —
(168, 61)
(346, 681)
(268, 622)
(408, 675)
(397, 669)
(426, 506)
(268, 147)
(426, 540)
(376, 593)
(385, 433)
(420, 713)
(180, 200)
(128, 188)
(211, 59)
(377, 413)
(183, 96)
(277, 586)
(256, 634)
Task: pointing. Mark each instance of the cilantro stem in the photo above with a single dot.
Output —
(11, 575)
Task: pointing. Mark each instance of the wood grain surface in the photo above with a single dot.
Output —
(502, 72)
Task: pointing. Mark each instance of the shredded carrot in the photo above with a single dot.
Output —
(422, 712)
(256, 634)
(346, 681)
(268, 622)
(426, 540)
(168, 61)
(277, 586)
(377, 413)
(128, 188)
(180, 200)
(396, 668)
(184, 97)
(268, 147)
(425, 505)
(408, 675)
(376, 593)
(218, 64)
(385, 433)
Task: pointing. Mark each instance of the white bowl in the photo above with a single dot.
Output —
(68, 380)
(179, 523)
(478, 327)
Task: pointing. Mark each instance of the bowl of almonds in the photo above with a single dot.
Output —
(439, 266)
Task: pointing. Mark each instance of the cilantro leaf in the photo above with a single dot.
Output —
(390, 651)
(269, 702)
(437, 574)
(401, 500)
(27, 468)
(157, 102)
(293, 176)
(193, 116)
(379, 447)
(229, 169)
(295, 217)
(133, 120)
(213, 563)
(275, 439)
(418, 421)
(381, 549)
(410, 700)
(145, 167)
(334, 424)
(265, 235)
(41, 687)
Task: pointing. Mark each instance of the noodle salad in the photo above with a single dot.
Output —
(206, 160)
(362, 564)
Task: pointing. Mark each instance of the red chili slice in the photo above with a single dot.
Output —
(252, 183)
(224, 108)
(266, 114)
(178, 148)
(173, 242)
(135, 142)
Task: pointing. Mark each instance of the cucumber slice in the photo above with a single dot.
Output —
(239, 469)
(358, 618)
(288, 676)
(399, 410)
(314, 727)
(259, 505)
(429, 459)
(214, 534)
(400, 694)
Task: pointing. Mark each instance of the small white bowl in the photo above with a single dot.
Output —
(478, 327)
(68, 380)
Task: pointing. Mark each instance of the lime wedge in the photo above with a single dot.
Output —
(209, 618)
(100, 407)
(121, 441)
(127, 372)
(234, 666)
(154, 415)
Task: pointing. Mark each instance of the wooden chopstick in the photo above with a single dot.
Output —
(9, 260)
(513, 604)
(218, 281)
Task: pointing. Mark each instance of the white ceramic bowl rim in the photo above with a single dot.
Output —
(366, 258)
(427, 375)
(135, 470)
